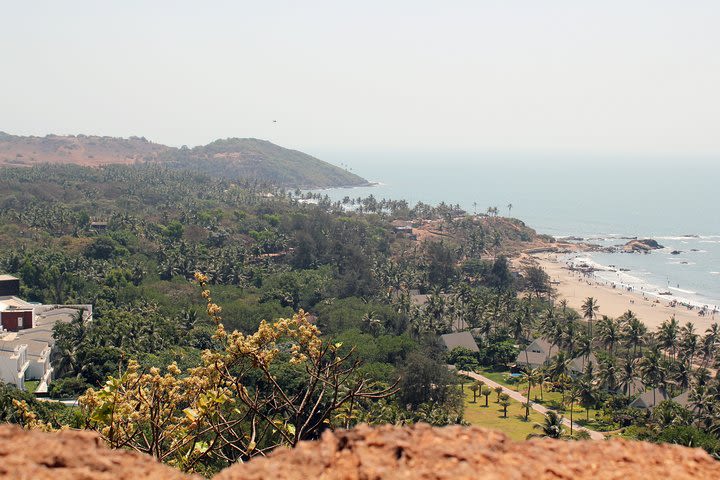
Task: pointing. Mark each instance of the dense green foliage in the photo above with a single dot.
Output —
(129, 239)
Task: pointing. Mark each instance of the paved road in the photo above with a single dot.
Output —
(535, 406)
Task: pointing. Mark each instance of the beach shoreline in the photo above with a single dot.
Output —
(575, 286)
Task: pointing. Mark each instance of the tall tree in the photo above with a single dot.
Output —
(589, 311)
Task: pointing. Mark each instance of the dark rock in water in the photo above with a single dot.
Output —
(571, 239)
(644, 246)
(675, 252)
(694, 250)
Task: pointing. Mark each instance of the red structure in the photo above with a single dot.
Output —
(14, 320)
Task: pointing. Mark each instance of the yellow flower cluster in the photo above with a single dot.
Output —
(213, 309)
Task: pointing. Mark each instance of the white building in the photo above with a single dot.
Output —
(14, 365)
(26, 354)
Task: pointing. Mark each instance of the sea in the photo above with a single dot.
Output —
(602, 199)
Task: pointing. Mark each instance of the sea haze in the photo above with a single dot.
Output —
(673, 200)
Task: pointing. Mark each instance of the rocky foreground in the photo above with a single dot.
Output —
(419, 452)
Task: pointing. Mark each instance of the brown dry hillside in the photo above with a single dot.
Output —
(91, 151)
(232, 158)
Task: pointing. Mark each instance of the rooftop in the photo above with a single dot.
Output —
(460, 339)
(5, 278)
(40, 336)
(11, 302)
(651, 398)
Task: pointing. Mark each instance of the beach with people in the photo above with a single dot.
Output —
(575, 285)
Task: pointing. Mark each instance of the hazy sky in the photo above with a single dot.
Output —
(603, 76)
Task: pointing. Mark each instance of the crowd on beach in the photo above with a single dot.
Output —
(587, 274)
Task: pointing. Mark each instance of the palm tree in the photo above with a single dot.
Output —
(667, 335)
(486, 391)
(559, 366)
(573, 396)
(688, 342)
(710, 343)
(539, 374)
(370, 324)
(499, 391)
(583, 349)
(474, 388)
(586, 392)
(628, 375)
(569, 334)
(528, 377)
(608, 374)
(653, 371)
(589, 309)
(608, 331)
(505, 403)
(552, 426)
(634, 332)
(681, 375)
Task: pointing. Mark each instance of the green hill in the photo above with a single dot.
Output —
(263, 160)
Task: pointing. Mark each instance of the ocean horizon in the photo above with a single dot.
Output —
(604, 200)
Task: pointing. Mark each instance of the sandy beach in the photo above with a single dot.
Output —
(576, 287)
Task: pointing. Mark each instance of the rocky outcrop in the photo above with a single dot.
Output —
(73, 455)
(418, 452)
(453, 453)
(642, 246)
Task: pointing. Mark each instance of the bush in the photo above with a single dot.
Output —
(463, 359)
(68, 387)
(690, 437)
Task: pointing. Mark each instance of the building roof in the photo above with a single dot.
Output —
(12, 302)
(636, 387)
(684, 400)
(542, 344)
(5, 278)
(537, 353)
(651, 398)
(40, 336)
(578, 364)
(459, 325)
(422, 299)
(459, 339)
(527, 357)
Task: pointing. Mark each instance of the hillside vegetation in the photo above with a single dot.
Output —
(232, 158)
(253, 317)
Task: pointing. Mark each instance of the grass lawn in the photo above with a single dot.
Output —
(514, 426)
(31, 385)
(550, 399)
